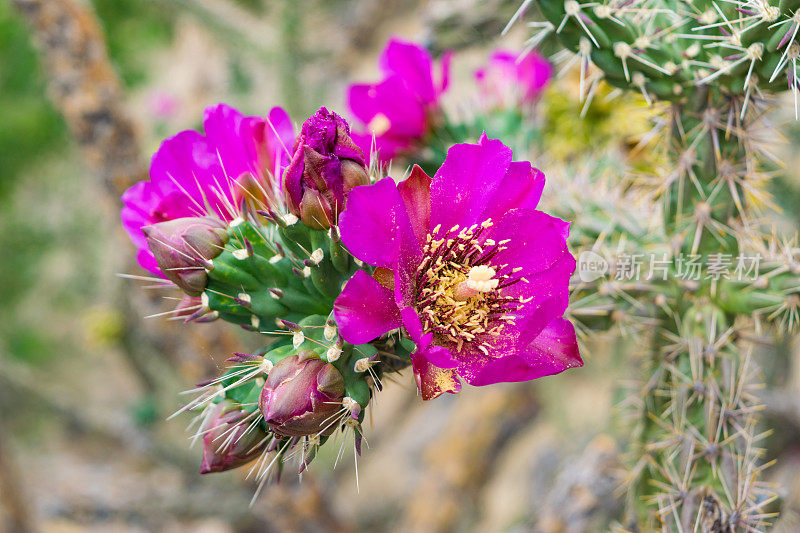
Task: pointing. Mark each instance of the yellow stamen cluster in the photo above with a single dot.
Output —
(458, 291)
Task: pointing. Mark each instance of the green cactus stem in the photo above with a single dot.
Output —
(711, 65)
(267, 274)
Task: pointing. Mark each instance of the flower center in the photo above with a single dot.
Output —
(459, 289)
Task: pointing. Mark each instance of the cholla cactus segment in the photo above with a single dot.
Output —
(698, 460)
(667, 48)
(251, 259)
(710, 67)
(267, 274)
(772, 294)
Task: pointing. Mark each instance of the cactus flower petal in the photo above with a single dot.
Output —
(416, 194)
(413, 64)
(477, 168)
(366, 309)
(554, 350)
(377, 224)
(508, 79)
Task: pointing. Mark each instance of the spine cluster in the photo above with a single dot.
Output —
(281, 279)
(711, 66)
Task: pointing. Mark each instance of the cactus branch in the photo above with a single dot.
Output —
(713, 66)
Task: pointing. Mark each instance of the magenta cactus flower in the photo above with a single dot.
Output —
(302, 395)
(400, 109)
(326, 164)
(193, 175)
(466, 264)
(511, 79)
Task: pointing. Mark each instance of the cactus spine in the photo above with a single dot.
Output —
(710, 65)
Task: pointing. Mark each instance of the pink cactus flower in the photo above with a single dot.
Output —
(475, 274)
(400, 109)
(193, 175)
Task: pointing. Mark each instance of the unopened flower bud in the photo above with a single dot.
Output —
(353, 174)
(230, 439)
(315, 210)
(183, 248)
(302, 395)
(326, 165)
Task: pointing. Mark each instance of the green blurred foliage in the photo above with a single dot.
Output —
(45, 284)
(27, 343)
(241, 80)
(30, 124)
(50, 272)
(145, 411)
(133, 28)
(785, 188)
(256, 6)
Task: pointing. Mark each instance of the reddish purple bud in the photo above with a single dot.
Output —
(353, 175)
(230, 438)
(302, 396)
(183, 248)
(325, 167)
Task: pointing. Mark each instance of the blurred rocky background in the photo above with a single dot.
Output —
(87, 91)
